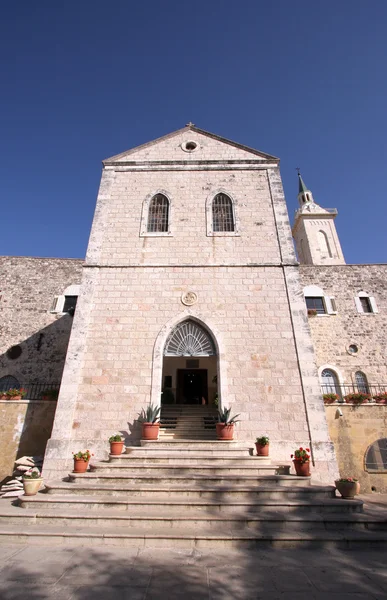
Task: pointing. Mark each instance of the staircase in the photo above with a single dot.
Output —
(185, 494)
(188, 422)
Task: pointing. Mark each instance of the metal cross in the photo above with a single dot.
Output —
(190, 124)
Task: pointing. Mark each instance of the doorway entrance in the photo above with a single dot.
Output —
(192, 386)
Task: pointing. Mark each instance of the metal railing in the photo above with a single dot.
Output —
(37, 391)
(343, 390)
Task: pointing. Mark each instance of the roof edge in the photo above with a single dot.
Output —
(190, 127)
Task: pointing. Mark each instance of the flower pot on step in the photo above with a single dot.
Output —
(150, 431)
(80, 465)
(262, 450)
(348, 489)
(32, 486)
(225, 431)
(116, 448)
(302, 469)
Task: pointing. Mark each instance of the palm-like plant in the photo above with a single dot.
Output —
(224, 416)
(150, 415)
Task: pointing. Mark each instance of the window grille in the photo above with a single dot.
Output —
(189, 339)
(315, 303)
(376, 456)
(222, 213)
(361, 382)
(8, 382)
(158, 214)
(330, 383)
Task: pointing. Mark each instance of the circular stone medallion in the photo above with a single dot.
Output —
(189, 298)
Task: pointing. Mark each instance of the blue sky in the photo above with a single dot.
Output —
(82, 81)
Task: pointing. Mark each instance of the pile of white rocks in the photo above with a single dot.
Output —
(14, 487)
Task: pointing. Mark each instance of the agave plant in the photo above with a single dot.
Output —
(150, 415)
(224, 416)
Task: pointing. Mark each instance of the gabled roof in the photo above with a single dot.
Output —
(190, 127)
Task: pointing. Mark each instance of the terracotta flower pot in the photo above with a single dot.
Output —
(116, 448)
(262, 450)
(150, 431)
(3, 397)
(348, 489)
(80, 465)
(224, 431)
(32, 486)
(14, 397)
(302, 469)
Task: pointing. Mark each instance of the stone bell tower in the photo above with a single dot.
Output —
(314, 231)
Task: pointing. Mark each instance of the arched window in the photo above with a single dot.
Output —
(324, 243)
(189, 339)
(376, 456)
(222, 213)
(158, 214)
(361, 382)
(8, 382)
(330, 382)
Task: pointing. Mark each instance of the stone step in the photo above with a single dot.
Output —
(178, 506)
(202, 481)
(188, 452)
(190, 538)
(184, 469)
(142, 457)
(196, 445)
(240, 523)
(229, 493)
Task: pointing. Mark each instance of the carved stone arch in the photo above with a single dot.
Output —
(209, 217)
(145, 212)
(161, 340)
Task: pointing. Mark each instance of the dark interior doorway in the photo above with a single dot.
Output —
(192, 386)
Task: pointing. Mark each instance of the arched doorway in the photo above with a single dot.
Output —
(190, 366)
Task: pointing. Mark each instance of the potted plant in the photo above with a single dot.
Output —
(312, 312)
(32, 480)
(357, 398)
(262, 445)
(116, 444)
(15, 393)
(348, 487)
(381, 398)
(50, 394)
(81, 461)
(150, 422)
(301, 461)
(330, 398)
(3, 395)
(225, 424)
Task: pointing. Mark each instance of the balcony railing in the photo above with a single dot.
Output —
(343, 390)
(37, 391)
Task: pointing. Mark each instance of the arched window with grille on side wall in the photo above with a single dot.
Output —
(222, 214)
(158, 214)
(8, 382)
(375, 459)
(361, 382)
(330, 382)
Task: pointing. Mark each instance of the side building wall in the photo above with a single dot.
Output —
(28, 288)
(353, 428)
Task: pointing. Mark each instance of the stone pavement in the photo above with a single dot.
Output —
(100, 573)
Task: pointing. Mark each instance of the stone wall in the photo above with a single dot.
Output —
(25, 427)
(333, 334)
(351, 434)
(28, 288)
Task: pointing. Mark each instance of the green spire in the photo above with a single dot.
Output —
(301, 185)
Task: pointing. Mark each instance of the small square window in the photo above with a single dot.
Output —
(365, 304)
(70, 304)
(316, 303)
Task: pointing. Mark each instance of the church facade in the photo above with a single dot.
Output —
(191, 290)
